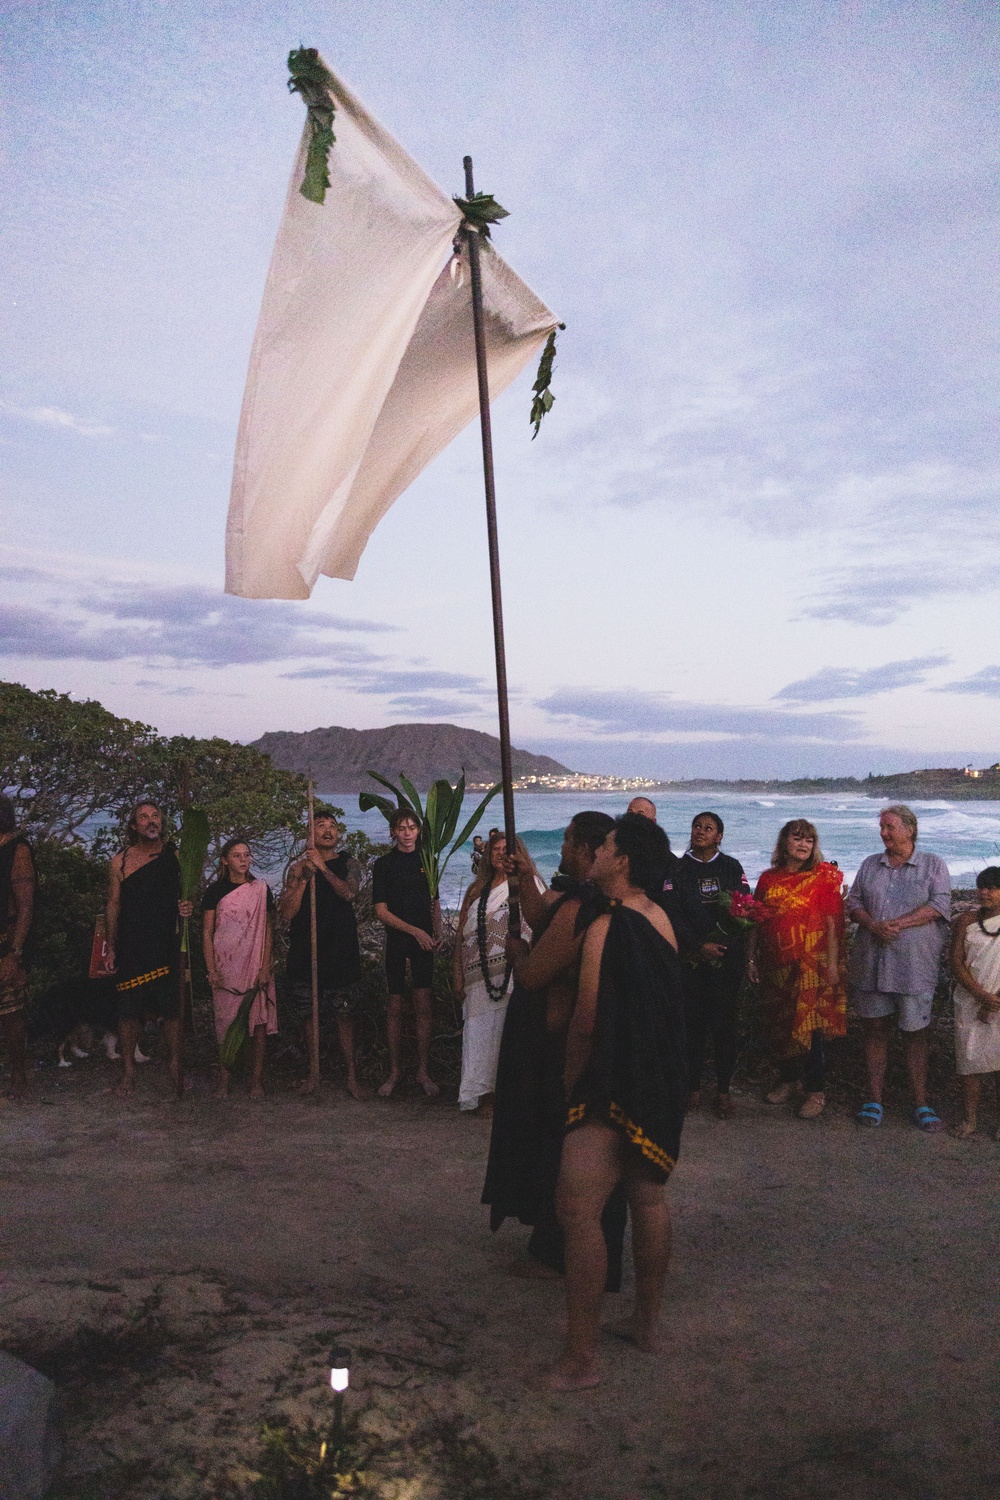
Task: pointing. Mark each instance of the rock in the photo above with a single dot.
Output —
(29, 1447)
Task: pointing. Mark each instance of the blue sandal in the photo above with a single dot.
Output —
(870, 1115)
(925, 1119)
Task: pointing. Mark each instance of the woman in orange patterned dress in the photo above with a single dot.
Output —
(796, 959)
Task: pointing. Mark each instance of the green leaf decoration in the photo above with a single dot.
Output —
(544, 399)
(413, 796)
(482, 210)
(437, 818)
(238, 1032)
(310, 79)
(470, 825)
(193, 850)
(368, 800)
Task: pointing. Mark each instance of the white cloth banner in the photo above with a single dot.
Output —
(363, 366)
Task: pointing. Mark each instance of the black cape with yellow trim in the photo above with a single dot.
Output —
(636, 1078)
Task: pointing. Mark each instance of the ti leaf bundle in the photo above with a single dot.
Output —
(238, 1032)
(311, 80)
(482, 210)
(437, 820)
(544, 399)
(191, 854)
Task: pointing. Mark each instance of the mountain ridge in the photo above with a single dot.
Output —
(339, 759)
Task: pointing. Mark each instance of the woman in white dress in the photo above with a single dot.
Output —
(481, 976)
(975, 963)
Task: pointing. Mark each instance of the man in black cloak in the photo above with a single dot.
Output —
(625, 1083)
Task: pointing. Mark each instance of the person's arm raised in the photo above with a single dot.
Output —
(535, 903)
(555, 950)
(579, 1038)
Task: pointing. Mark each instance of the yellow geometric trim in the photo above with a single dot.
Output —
(132, 984)
(576, 1114)
(649, 1149)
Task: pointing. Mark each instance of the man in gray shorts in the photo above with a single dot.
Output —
(901, 901)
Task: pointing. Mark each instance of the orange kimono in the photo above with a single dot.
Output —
(796, 995)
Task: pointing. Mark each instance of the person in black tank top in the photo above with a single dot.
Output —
(402, 901)
(338, 880)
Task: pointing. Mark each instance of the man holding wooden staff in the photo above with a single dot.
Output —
(336, 879)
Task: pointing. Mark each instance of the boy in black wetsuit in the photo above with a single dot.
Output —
(713, 972)
(402, 901)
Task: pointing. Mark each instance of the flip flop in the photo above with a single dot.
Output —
(869, 1115)
(925, 1119)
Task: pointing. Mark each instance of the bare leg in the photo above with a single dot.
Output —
(394, 1033)
(15, 1034)
(484, 1109)
(971, 1085)
(128, 1037)
(422, 1015)
(651, 1237)
(221, 1090)
(345, 1035)
(915, 1043)
(172, 1032)
(258, 1051)
(591, 1165)
(876, 1036)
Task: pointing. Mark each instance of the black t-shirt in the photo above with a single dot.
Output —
(399, 881)
(222, 887)
(337, 949)
(699, 883)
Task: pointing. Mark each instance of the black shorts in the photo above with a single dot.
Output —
(156, 995)
(334, 1000)
(421, 964)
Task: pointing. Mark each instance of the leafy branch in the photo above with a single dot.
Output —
(437, 820)
(544, 399)
(313, 81)
(480, 211)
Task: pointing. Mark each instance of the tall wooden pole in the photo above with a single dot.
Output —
(479, 330)
(314, 956)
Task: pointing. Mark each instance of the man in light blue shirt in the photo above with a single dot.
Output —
(901, 901)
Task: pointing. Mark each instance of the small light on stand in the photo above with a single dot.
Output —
(340, 1377)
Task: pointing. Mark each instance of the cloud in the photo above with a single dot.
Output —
(408, 689)
(54, 416)
(879, 595)
(845, 682)
(624, 710)
(186, 625)
(985, 682)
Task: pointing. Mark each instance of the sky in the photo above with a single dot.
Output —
(757, 534)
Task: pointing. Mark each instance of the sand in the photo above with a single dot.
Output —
(182, 1268)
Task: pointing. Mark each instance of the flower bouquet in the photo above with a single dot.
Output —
(736, 913)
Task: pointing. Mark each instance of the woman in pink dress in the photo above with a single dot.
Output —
(237, 934)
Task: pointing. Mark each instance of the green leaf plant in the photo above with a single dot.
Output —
(191, 855)
(544, 399)
(312, 80)
(480, 211)
(437, 819)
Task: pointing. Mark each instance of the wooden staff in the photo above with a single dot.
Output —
(314, 955)
(185, 994)
(479, 331)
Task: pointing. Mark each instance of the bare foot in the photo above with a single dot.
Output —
(532, 1270)
(357, 1090)
(570, 1375)
(221, 1091)
(257, 1091)
(781, 1093)
(385, 1092)
(124, 1089)
(428, 1085)
(306, 1086)
(963, 1131)
(724, 1106)
(635, 1330)
(484, 1111)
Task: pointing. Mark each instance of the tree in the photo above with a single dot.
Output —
(65, 763)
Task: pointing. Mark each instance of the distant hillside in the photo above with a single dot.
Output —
(338, 759)
(950, 783)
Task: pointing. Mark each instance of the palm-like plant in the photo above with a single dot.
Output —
(437, 819)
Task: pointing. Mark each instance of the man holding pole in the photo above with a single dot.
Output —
(336, 879)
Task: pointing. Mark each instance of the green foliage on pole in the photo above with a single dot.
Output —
(544, 399)
(312, 80)
(480, 211)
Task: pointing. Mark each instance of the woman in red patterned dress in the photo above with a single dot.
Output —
(796, 959)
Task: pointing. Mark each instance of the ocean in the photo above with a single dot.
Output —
(965, 834)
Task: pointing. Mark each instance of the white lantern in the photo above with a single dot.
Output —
(340, 1360)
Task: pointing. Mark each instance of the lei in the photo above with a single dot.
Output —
(495, 992)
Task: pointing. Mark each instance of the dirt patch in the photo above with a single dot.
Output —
(181, 1270)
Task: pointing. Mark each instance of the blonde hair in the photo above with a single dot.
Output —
(799, 828)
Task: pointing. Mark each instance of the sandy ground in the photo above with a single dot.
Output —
(181, 1269)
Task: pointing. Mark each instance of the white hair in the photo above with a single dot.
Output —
(906, 816)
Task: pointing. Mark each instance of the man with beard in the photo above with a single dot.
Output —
(338, 953)
(143, 906)
(625, 1083)
(529, 1107)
